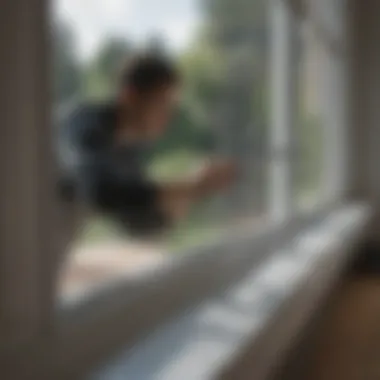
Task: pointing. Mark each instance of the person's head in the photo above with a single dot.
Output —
(149, 85)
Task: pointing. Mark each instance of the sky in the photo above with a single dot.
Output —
(92, 21)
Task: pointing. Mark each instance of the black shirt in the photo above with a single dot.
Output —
(108, 175)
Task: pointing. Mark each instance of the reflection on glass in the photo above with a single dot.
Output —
(155, 94)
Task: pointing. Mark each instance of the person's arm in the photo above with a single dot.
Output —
(175, 199)
(141, 204)
(147, 207)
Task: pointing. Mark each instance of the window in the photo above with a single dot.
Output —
(254, 88)
(308, 108)
(32, 243)
(222, 49)
(320, 137)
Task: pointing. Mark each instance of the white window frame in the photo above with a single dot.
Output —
(284, 99)
(32, 220)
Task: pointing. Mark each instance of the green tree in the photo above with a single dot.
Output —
(102, 72)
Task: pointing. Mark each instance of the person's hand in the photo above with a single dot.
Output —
(177, 198)
(217, 176)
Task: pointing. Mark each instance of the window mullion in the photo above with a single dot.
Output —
(284, 87)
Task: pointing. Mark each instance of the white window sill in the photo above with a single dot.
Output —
(208, 339)
(257, 275)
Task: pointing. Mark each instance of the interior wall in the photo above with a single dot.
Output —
(364, 98)
(24, 169)
(364, 105)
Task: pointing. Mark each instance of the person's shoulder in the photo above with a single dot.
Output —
(88, 119)
(85, 111)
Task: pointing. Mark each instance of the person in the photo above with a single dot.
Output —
(101, 148)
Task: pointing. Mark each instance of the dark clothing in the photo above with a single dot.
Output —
(108, 175)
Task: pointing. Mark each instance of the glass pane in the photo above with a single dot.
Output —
(221, 49)
(310, 129)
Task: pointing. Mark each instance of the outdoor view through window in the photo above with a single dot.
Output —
(222, 50)
(310, 124)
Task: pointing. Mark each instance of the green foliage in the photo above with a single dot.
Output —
(102, 73)
(203, 75)
(186, 132)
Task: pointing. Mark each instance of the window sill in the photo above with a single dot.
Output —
(208, 340)
(257, 275)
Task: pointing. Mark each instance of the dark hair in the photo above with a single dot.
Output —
(146, 73)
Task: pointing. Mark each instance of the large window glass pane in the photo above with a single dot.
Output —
(222, 49)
